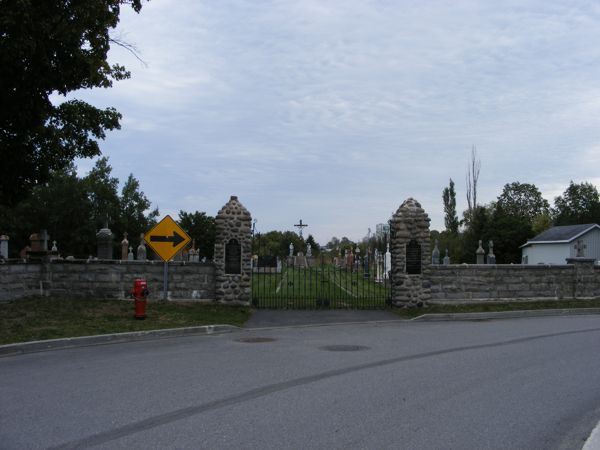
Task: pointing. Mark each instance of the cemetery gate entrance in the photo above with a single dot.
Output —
(323, 281)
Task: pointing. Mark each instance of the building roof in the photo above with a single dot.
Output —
(562, 234)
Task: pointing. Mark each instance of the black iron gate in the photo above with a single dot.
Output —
(324, 281)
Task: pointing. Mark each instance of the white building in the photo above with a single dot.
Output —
(556, 244)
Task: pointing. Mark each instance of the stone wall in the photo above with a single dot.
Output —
(233, 253)
(485, 283)
(411, 255)
(106, 279)
(19, 280)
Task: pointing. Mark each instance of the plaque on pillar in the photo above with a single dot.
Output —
(413, 258)
(233, 257)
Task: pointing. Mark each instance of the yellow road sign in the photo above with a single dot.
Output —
(167, 238)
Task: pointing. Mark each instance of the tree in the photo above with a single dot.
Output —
(472, 179)
(46, 48)
(515, 211)
(509, 232)
(62, 207)
(102, 189)
(541, 223)
(450, 219)
(200, 227)
(476, 231)
(522, 200)
(579, 204)
(133, 206)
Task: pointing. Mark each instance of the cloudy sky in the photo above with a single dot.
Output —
(336, 111)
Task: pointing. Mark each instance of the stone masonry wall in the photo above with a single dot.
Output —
(480, 283)
(19, 280)
(106, 279)
(233, 222)
(409, 223)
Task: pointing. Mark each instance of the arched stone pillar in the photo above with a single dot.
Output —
(411, 254)
(233, 251)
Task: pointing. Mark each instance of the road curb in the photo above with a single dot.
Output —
(505, 314)
(114, 338)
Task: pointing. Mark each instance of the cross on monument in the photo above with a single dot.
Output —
(300, 226)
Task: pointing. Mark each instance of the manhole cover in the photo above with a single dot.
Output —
(255, 340)
(344, 348)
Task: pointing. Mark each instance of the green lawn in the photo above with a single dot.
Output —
(497, 307)
(49, 318)
(319, 286)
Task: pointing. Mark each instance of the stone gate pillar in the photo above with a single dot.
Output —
(411, 255)
(233, 251)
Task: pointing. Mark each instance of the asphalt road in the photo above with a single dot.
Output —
(505, 384)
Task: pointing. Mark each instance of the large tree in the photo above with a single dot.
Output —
(472, 179)
(522, 200)
(579, 204)
(450, 217)
(48, 48)
(134, 218)
(201, 228)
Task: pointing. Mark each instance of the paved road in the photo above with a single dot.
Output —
(507, 384)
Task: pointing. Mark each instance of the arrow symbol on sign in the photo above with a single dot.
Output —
(176, 239)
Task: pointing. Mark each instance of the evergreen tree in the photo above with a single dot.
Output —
(450, 217)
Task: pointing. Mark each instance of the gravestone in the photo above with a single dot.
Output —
(387, 263)
(491, 258)
(290, 258)
(480, 254)
(446, 260)
(4, 246)
(435, 254)
(104, 240)
(124, 247)
(232, 256)
(24, 253)
(300, 261)
(410, 255)
(141, 250)
(38, 245)
(349, 259)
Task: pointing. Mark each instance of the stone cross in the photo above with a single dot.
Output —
(579, 248)
(291, 249)
(300, 226)
(308, 250)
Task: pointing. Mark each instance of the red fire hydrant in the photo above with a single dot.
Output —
(140, 293)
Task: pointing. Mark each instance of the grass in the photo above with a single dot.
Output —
(304, 287)
(496, 307)
(50, 318)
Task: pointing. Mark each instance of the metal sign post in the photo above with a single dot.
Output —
(165, 280)
(167, 239)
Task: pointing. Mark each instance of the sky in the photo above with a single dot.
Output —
(335, 112)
